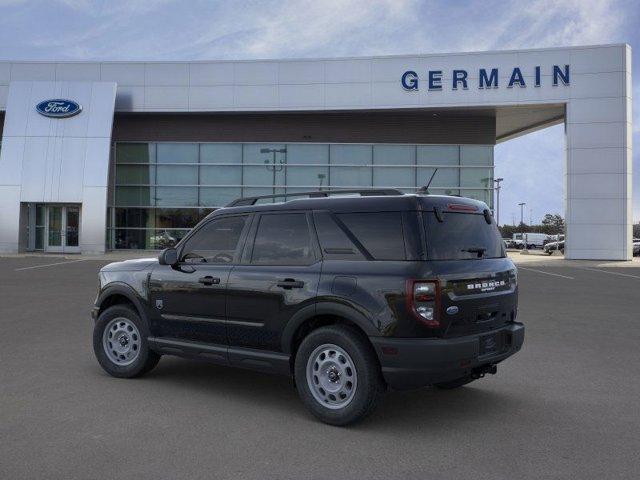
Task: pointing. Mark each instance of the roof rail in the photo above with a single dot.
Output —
(244, 201)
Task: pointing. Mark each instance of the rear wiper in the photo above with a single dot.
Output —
(479, 250)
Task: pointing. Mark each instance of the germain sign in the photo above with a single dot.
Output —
(58, 108)
(487, 78)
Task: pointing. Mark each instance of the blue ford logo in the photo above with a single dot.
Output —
(58, 108)
(452, 310)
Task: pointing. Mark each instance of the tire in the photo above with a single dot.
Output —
(134, 358)
(351, 360)
(454, 383)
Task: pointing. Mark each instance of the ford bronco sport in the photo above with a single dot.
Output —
(347, 294)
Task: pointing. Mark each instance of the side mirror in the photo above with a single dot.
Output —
(169, 256)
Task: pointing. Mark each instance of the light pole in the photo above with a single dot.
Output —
(497, 182)
(273, 165)
(522, 212)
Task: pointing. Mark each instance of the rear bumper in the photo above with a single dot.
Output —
(416, 362)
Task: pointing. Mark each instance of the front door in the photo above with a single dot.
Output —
(189, 299)
(62, 229)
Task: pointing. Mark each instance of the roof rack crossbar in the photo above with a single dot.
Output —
(245, 201)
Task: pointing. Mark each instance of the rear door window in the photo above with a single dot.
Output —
(283, 239)
(462, 236)
(380, 233)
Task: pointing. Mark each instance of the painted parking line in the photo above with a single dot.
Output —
(546, 273)
(611, 273)
(49, 265)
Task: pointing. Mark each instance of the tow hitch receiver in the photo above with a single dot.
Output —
(480, 372)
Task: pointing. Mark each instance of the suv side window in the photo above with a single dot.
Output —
(283, 239)
(381, 233)
(216, 242)
(335, 243)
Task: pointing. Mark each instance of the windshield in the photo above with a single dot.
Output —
(462, 236)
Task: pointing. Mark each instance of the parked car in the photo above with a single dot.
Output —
(532, 240)
(553, 246)
(636, 247)
(347, 295)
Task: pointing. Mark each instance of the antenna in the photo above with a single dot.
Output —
(425, 188)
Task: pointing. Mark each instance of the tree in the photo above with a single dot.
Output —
(554, 221)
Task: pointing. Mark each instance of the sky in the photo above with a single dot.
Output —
(532, 165)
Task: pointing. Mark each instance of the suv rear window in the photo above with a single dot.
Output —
(462, 236)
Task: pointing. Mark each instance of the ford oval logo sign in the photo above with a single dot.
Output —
(58, 108)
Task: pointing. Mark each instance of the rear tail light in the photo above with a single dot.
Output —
(423, 297)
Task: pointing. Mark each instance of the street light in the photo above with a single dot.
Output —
(522, 212)
(497, 182)
(273, 165)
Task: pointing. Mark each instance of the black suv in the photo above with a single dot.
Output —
(346, 294)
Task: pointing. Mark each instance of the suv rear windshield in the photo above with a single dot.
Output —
(462, 236)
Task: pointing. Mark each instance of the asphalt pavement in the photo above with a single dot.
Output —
(566, 406)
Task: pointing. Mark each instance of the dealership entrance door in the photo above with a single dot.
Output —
(55, 228)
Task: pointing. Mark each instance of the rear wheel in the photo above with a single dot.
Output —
(457, 383)
(337, 375)
(120, 343)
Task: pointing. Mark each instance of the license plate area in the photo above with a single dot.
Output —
(490, 344)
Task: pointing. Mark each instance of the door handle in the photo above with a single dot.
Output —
(209, 280)
(289, 283)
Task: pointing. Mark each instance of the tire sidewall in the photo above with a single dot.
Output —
(140, 364)
(368, 386)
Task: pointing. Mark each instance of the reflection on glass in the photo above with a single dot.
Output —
(55, 227)
(73, 226)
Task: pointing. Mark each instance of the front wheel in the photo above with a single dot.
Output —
(120, 343)
(337, 375)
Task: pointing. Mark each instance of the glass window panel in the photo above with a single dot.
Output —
(135, 196)
(146, 239)
(221, 153)
(283, 239)
(476, 155)
(254, 192)
(135, 153)
(179, 218)
(351, 176)
(307, 154)
(177, 152)
(394, 155)
(380, 233)
(476, 177)
(177, 196)
(351, 154)
(393, 177)
(39, 238)
(40, 215)
(215, 242)
(312, 176)
(263, 174)
(445, 177)
(438, 155)
(218, 196)
(308, 177)
(134, 217)
(221, 175)
(177, 175)
(135, 175)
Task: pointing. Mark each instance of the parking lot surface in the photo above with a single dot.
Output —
(566, 406)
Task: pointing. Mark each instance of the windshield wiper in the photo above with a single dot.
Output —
(479, 250)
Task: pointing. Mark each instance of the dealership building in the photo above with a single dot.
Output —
(130, 155)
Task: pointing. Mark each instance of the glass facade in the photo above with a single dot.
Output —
(163, 189)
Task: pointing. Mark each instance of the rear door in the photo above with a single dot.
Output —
(277, 277)
(478, 283)
(189, 300)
